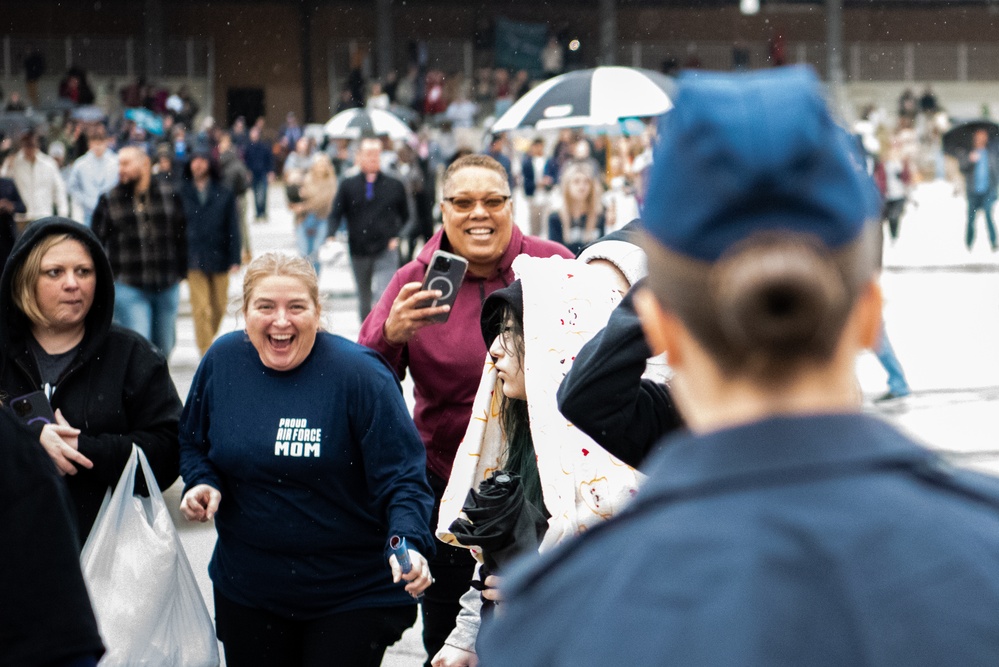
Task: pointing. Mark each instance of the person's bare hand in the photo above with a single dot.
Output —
(452, 656)
(61, 443)
(406, 317)
(6, 206)
(419, 577)
(492, 590)
(200, 503)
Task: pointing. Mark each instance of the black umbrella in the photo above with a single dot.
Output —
(958, 139)
(501, 521)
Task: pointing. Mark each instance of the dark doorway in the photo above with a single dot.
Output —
(245, 102)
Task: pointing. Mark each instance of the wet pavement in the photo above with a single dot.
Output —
(941, 312)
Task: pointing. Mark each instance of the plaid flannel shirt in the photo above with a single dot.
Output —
(147, 246)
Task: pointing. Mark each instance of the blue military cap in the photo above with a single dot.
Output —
(743, 153)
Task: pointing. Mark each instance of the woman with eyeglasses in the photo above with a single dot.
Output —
(443, 358)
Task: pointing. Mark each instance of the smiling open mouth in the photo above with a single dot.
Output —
(281, 341)
(479, 232)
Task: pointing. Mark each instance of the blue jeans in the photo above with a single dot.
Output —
(260, 196)
(310, 234)
(897, 383)
(151, 313)
(984, 201)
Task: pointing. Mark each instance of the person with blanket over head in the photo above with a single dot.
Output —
(533, 330)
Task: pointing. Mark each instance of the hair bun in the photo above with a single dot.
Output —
(779, 295)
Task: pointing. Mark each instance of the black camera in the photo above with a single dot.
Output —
(22, 407)
(442, 263)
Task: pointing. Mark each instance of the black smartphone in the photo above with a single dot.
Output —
(33, 408)
(445, 273)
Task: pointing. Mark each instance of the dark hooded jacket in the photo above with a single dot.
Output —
(45, 617)
(117, 390)
(213, 236)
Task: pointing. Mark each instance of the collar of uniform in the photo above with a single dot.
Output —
(777, 449)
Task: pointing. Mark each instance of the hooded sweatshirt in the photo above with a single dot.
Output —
(117, 390)
(446, 359)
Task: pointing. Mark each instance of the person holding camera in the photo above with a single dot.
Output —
(108, 386)
(300, 446)
(444, 359)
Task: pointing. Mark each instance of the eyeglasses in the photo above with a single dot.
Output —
(466, 204)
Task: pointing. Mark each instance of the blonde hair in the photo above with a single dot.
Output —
(594, 206)
(322, 165)
(26, 278)
(279, 264)
(318, 189)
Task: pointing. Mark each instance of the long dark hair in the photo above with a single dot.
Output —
(515, 419)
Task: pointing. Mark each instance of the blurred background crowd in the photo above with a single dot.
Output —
(440, 117)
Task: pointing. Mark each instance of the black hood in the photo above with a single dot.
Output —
(14, 325)
(492, 310)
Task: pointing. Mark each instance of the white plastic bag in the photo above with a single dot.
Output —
(146, 599)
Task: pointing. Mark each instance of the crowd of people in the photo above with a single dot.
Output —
(635, 438)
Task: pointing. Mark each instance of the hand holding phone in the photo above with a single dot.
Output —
(61, 442)
(408, 313)
(445, 274)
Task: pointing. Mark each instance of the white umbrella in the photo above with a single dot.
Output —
(599, 96)
(357, 123)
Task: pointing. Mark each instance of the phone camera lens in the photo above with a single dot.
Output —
(22, 408)
(442, 264)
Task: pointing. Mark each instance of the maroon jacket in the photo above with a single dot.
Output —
(446, 359)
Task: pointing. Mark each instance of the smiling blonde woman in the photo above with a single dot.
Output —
(299, 445)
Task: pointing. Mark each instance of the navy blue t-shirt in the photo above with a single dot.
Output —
(317, 466)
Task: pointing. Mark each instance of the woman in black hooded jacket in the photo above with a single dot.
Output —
(109, 386)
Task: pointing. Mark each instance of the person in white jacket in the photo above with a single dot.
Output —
(38, 181)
